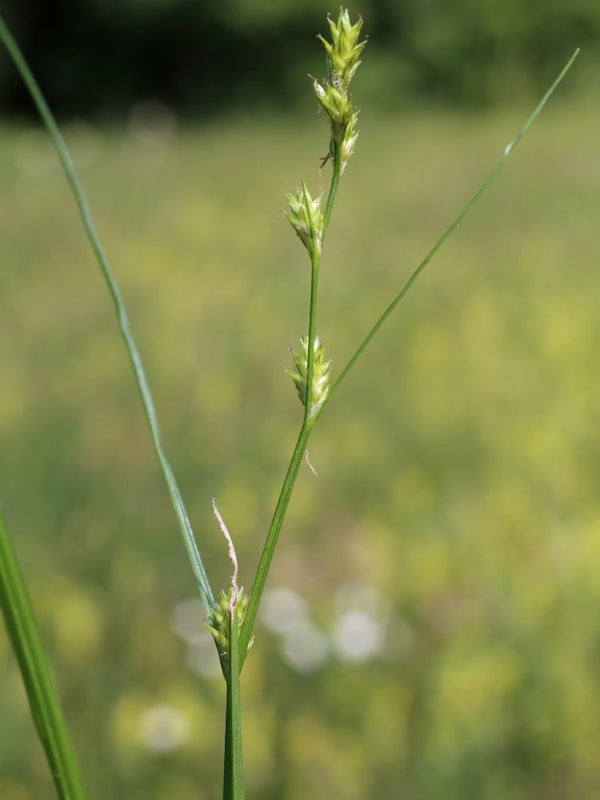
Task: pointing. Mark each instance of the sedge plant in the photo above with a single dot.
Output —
(231, 614)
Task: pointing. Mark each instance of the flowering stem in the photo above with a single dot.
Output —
(272, 538)
(312, 326)
(308, 423)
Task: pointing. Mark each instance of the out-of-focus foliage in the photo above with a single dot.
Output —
(98, 57)
(435, 631)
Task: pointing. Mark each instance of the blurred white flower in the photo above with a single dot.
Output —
(282, 609)
(358, 636)
(202, 657)
(188, 619)
(163, 727)
(306, 647)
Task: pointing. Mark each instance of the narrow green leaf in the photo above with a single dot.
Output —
(449, 231)
(121, 312)
(43, 699)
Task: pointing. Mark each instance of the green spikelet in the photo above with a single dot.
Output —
(306, 217)
(343, 52)
(343, 59)
(320, 378)
(219, 620)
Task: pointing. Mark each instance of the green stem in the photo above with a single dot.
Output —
(43, 699)
(335, 182)
(233, 783)
(228, 758)
(272, 536)
(122, 317)
(448, 232)
(287, 487)
(312, 332)
(306, 428)
(312, 326)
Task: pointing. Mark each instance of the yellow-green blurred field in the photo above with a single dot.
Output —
(442, 571)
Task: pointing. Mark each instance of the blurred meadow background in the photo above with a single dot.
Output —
(431, 626)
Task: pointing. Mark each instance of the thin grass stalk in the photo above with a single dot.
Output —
(335, 182)
(41, 693)
(272, 537)
(233, 783)
(312, 331)
(306, 428)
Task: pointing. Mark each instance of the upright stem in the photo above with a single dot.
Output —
(233, 779)
(308, 423)
(312, 332)
(335, 182)
(273, 536)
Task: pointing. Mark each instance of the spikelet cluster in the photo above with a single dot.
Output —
(306, 218)
(321, 374)
(343, 59)
(220, 619)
